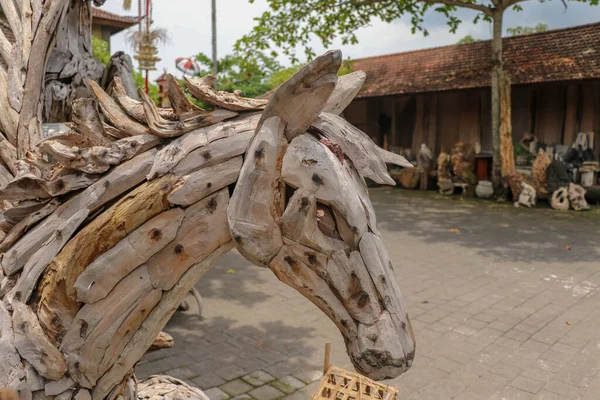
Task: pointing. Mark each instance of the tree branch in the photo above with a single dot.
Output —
(457, 3)
(510, 3)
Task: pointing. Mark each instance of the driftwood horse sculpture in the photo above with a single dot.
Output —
(107, 227)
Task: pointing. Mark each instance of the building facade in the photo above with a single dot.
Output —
(442, 95)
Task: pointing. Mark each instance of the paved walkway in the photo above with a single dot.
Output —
(504, 304)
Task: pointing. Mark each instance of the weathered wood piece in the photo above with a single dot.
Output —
(164, 128)
(100, 331)
(150, 328)
(133, 106)
(203, 229)
(174, 152)
(55, 388)
(310, 89)
(162, 341)
(86, 121)
(199, 184)
(119, 67)
(258, 199)
(346, 89)
(10, 362)
(203, 90)
(115, 114)
(213, 153)
(39, 261)
(102, 275)
(57, 295)
(159, 387)
(33, 345)
(310, 165)
(182, 106)
(358, 147)
(98, 159)
(24, 225)
(300, 223)
(292, 271)
(119, 180)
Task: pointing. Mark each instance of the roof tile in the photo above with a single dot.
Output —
(556, 55)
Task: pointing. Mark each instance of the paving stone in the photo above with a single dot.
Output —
(493, 311)
(258, 378)
(242, 397)
(266, 392)
(288, 384)
(216, 394)
(230, 372)
(308, 375)
(208, 380)
(236, 387)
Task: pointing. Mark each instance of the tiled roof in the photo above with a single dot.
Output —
(556, 55)
(119, 20)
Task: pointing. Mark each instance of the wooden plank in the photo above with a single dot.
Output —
(34, 346)
(25, 224)
(156, 320)
(39, 260)
(57, 295)
(204, 228)
(102, 275)
(194, 187)
(106, 326)
(258, 198)
(10, 362)
(121, 179)
(469, 129)
(174, 152)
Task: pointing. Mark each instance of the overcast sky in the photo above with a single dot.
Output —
(189, 27)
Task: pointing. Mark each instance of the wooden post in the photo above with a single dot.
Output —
(327, 360)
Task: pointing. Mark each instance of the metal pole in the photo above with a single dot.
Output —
(214, 38)
(147, 32)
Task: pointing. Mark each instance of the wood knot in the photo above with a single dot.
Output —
(317, 180)
(179, 249)
(209, 185)
(212, 205)
(83, 329)
(259, 153)
(207, 155)
(155, 234)
(106, 184)
(312, 259)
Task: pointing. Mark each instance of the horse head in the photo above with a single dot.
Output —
(302, 209)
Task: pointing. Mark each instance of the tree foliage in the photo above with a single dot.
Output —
(291, 25)
(527, 30)
(467, 39)
(100, 50)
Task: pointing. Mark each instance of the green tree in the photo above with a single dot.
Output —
(254, 75)
(292, 24)
(100, 50)
(467, 39)
(527, 30)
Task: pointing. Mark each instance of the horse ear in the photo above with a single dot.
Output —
(300, 100)
(346, 89)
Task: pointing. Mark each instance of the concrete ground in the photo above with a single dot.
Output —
(504, 304)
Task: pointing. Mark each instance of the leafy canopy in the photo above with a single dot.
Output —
(467, 39)
(527, 30)
(252, 75)
(291, 25)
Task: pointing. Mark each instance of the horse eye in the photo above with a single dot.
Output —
(326, 221)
